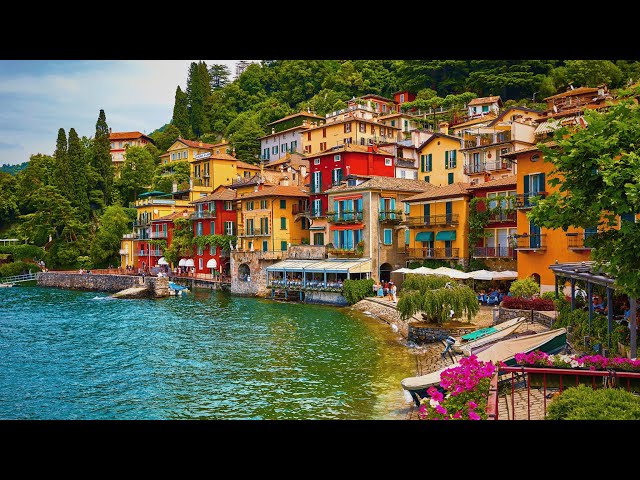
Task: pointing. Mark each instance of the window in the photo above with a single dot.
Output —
(406, 125)
(317, 208)
(264, 225)
(347, 127)
(307, 149)
(361, 140)
(388, 162)
(185, 154)
(199, 229)
(283, 148)
(283, 245)
(427, 178)
(309, 138)
(362, 127)
(249, 226)
(336, 176)
(212, 250)
(393, 123)
(250, 244)
(382, 131)
(323, 147)
(324, 132)
(316, 185)
(212, 228)
(426, 162)
(402, 98)
(228, 228)
(387, 236)
(535, 158)
(373, 130)
(228, 205)
(265, 245)
(283, 223)
(200, 264)
(450, 159)
(415, 174)
(173, 156)
(406, 236)
(263, 204)
(294, 145)
(200, 251)
(450, 178)
(403, 174)
(485, 108)
(283, 204)
(119, 144)
(336, 158)
(249, 205)
(318, 238)
(316, 161)
(384, 107)
(274, 150)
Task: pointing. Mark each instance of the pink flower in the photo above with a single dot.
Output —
(423, 408)
(473, 415)
(458, 414)
(441, 410)
(473, 404)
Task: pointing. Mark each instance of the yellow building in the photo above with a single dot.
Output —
(355, 125)
(440, 160)
(209, 171)
(438, 224)
(267, 218)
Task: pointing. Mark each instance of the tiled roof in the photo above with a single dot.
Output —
(534, 148)
(222, 156)
(220, 193)
(379, 97)
(277, 191)
(246, 166)
(575, 91)
(353, 148)
(172, 216)
(127, 135)
(453, 190)
(499, 182)
(377, 182)
(485, 118)
(483, 100)
(437, 135)
(297, 127)
(195, 144)
(299, 114)
(504, 112)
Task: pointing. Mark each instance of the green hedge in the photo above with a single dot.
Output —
(584, 403)
(356, 290)
(17, 268)
(23, 251)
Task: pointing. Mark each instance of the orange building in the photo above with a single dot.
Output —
(119, 141)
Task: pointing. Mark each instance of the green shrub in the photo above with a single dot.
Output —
(356, 290)
(24, 251)
(548, 295)
(422, 283)
(584, 403)
(17, 268)
(526, 287)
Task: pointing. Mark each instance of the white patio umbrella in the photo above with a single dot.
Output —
(451, 272)
(403, 270)
(482, 275)
(424, 271)
(506, 275)
(162, 261)
(182, 262)
(189, 263)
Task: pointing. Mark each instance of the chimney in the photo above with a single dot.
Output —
(444, 128)
(233, 152)
(199, 144)
(109, 130)
(273, 130)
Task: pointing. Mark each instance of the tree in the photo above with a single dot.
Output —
(198, 90)
(78, 183)
(181, 243)
(136, 173)
(154, 152)
(324, 102)
(8, 203)
(101, 159)
(113, 223)
(166, 138)
(220, 75)
(180, 117)
(596, 172)
(62, 174)
(243, 134)
(169, 173)
(588, 73)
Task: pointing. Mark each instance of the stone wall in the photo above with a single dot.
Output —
(500, 264)
(307, 252)
(544, 318)
(258, 263)
(419, 334)
(326, 298)
(158, 287)
(388, 313)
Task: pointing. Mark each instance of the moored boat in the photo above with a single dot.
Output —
(175, 289)
(486, 335)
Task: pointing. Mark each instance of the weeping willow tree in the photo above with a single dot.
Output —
(422, 283)
(436, 304)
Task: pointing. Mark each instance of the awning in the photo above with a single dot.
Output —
(182, 262)
(320, 266)
(189, 263)
(424, 237)
(446, 235)
(212, 263)
(162, 261)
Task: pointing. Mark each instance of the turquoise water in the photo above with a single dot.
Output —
(81, 355)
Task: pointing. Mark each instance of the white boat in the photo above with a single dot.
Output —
(6, 285)
(487, 336)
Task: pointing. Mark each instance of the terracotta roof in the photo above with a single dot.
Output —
(504, 112)
(534, 148)
(299, 114)
(499, 182)
(128, 136)
(246, 166)
(195, 144)
(437, 135)
(222, 156)
(220, 193)
(351, 119)
(172, 216)
(379, 97)
(297, 127)
(482, 100)
(453, 190)
(376, 182)
(352, 148)
(268, 177)
(575, 91)
(277, 191)
(485, 118)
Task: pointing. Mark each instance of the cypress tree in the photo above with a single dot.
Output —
(102, 157)
(181, 114)
(78, 168)
(198, 90)
(61, 175)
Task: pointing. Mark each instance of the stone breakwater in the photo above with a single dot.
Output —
(385, 311)
(156, 287)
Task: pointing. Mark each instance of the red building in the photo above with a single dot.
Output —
(214, 214)
(498, 243)
(380, 104)
(328, 168)
(160, 229)
(403, 96)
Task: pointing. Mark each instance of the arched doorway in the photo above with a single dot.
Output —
(385, 272)
(536, 277)
(244, 273)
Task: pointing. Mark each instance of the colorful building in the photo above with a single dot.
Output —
(438, 224)
(214, 214)
(440, 162)
(381, 105)
(267, 218)
(160, 229)
(484, 105)
(496, 249)
(119, 142)
(403, 96)
(286, 135)
(209, 171)
(327, 170)
(407, 123)
(369, 210)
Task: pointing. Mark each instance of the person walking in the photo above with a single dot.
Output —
(394, 290)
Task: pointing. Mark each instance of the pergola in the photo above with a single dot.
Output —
(587, 272)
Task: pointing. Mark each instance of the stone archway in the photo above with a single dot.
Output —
(385, 272)
(244, 272)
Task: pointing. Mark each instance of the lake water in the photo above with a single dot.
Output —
(82, 355)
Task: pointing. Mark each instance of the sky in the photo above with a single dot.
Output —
(37, 97)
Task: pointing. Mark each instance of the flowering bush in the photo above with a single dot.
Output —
(593, 362)
(466, 391)
(521, 303)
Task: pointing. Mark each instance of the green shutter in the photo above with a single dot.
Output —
(446, 159)
(541, 182)
(387, 236)
(526, 185)
(283, 223)
(448, 208)
(406, 236)
(427, 212)
(283, 245)
(450, 178)
(422, 163)
(430, 163)
(426, 178)
(265, 245)
(454, 160)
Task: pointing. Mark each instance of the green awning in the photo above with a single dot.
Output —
(153, 193)
(446, 235)
(424, 237)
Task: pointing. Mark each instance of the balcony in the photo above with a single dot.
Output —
(203, 214)
(150, 253)
(473, 168)
(124, 251)
(528, 200)
(531, 242)
(484, 139)
(432, 220)
(130, 236)
(255, 232)
(444, 253)
(297, 209)
(576, 241)
(390, 216)
(344, 217)
(160, 234)
(502, 217)
(345, 252)
(494, 252)
(140, 223)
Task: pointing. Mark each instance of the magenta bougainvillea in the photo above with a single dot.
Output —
(593, 362)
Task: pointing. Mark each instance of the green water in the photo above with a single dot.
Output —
(81, 355)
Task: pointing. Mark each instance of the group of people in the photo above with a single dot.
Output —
(386, 290)
(494, 297)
